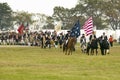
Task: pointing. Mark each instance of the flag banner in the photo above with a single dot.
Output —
(88, 26)
(75, 31)
(58, 26)
(20, 29)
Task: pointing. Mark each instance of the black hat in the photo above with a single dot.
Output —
(68, 31)
(83, 34)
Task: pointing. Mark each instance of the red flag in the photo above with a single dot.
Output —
(88, 26)
(20, 29)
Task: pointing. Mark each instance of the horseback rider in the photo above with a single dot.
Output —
(92, 37)
(104, 36)
(104, 44)
(93, 43)
(65, 40)
(83, 40)
(60, 38)
(67, 36)
(83, 43)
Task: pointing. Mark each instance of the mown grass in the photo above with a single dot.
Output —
(34, 63)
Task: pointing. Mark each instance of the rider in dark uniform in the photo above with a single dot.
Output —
(65, 40)
(104, 44)
(67, 35)
(93, 43)
(92, 37)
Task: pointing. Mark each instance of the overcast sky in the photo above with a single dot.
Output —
(39, 6)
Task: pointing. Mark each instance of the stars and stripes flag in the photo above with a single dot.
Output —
(88, 26)
(75, 31)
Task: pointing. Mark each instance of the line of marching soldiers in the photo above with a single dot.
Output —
(42, 39)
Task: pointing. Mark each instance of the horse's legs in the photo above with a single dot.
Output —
(63, 48)
(69, 52)
(88, 50)
(102, 51)
(73, 48)
(66, 49)
(92, 51)
(105, 51)
(96, 51)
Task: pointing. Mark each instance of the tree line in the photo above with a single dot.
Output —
(104, 13)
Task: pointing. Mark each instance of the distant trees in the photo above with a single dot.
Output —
(112, 11)
(5, 16)
(104, 13)
(22, 17)
(67, 16)
(49, 23)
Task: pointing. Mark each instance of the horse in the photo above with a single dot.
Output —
(69, 46)
(88, 48)
(104, 45)
(83, 47)
(93, 46)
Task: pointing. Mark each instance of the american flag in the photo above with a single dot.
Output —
(75, 31)
(88, 26)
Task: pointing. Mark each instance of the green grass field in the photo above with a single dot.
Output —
(34, 63)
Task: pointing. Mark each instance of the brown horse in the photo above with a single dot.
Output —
(69, 47)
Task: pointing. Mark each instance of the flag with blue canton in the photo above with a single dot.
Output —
(75, 31)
